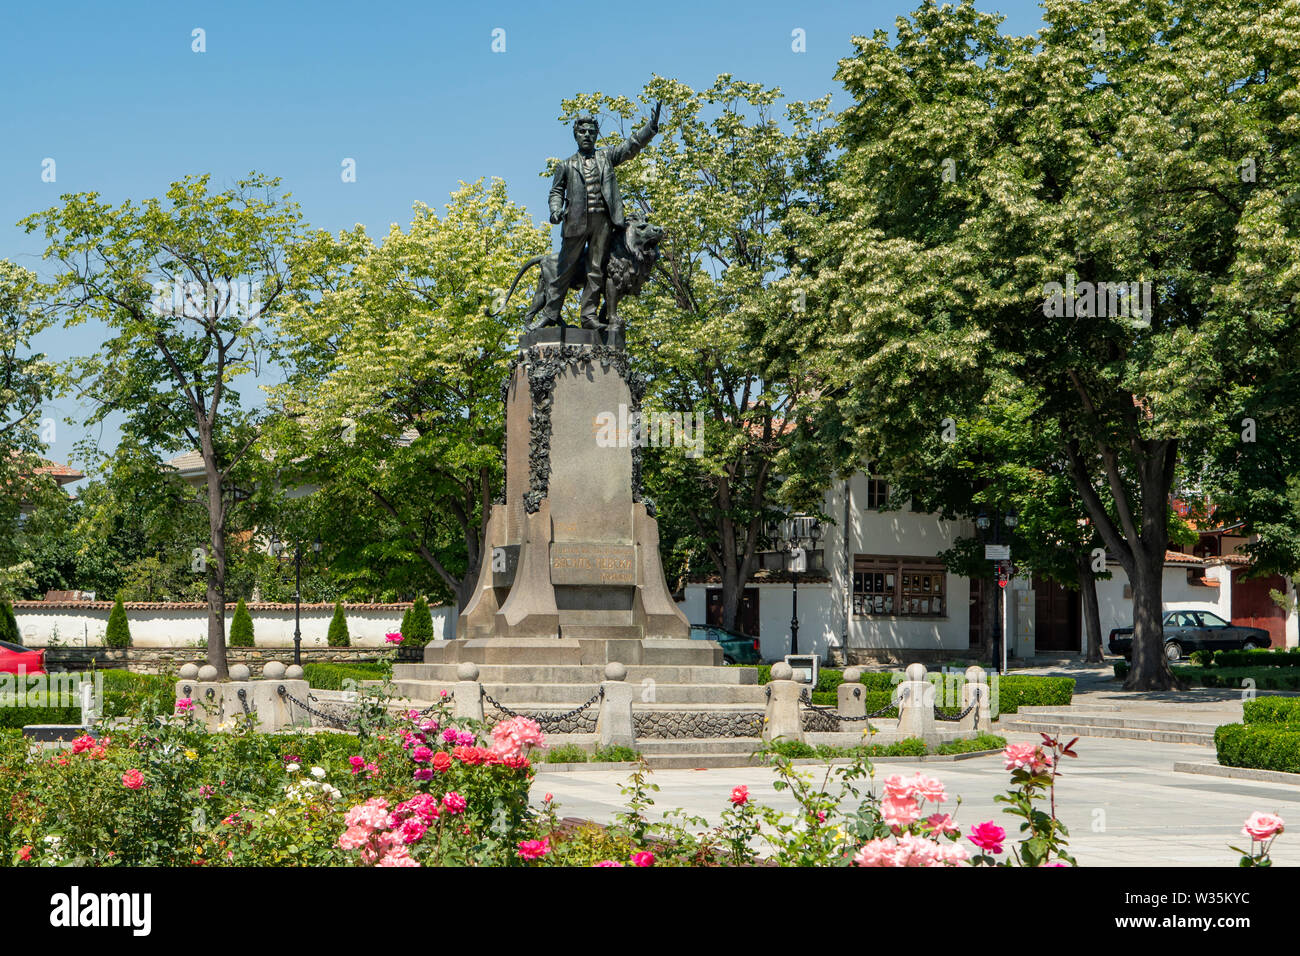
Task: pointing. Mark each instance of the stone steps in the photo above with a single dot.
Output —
(1107, 723)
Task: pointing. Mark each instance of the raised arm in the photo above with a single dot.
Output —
(622, 152)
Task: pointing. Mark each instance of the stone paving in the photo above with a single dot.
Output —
(1123, 803)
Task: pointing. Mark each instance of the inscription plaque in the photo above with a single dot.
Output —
(581, 563)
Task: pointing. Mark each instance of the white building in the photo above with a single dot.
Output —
(885, 595)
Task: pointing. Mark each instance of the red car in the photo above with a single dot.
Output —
(14, 658)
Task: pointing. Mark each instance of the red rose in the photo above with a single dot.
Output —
(442, 761)
(25, 854)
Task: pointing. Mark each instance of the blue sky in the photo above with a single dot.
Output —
(413, 92)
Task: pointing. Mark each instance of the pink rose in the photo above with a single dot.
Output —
(988, 836)
(941, 823)
(876, 853)
(898, 788)
(644, 858)
(422, 754)
(900, 812)
(1263, 826)
(133, 780)
(534, 849)
(184, 705)
(393, 638)
(740, 796)
(423, 773)
(930, 789)
(454, 803)
(609, 863)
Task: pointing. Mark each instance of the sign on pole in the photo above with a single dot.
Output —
(997, 552)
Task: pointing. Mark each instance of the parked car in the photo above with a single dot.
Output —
(1187, 631)
(737, 648)
(14, 657)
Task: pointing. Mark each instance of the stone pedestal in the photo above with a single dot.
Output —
(782, 720)
(571, 573)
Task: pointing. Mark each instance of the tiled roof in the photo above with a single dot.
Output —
(202, 606)
(1177, 557)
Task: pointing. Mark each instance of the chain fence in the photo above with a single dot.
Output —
(545, 718)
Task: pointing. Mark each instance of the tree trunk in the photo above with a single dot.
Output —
(1150, 668)
(1091, 612)
(216, 566)
(989, 616)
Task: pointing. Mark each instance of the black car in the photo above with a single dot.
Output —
(1187, 631)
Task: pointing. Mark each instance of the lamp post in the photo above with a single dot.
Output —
(1005, 570)
(797, 535)
(276, 547)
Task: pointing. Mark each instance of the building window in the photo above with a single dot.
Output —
(905, 587)
(877, 493)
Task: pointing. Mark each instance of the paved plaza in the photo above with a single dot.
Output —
(1123, 803)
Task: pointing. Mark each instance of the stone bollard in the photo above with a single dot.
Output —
(976, 688)
(852, 701)
(274, 710)
(468, 702)
(614, 723)
(915, 698)
(782, 719)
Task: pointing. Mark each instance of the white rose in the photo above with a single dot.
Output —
(292, 768)
(318, 773)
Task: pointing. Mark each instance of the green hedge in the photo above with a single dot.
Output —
(241, 627)
(910, 747)
(1272, 710)
(1265, 678)
(1259, 746)
(1278, 657)
(123, 691)
(1014, 691)
(331, 676)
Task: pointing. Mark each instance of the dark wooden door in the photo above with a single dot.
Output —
(1056, 617)
(1252, 606)
(746, 616)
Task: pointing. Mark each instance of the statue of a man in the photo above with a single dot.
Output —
(586, 198)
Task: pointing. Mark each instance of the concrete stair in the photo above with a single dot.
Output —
(679, 753)
(1106, 721)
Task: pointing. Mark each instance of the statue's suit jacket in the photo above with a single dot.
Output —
(568, 184)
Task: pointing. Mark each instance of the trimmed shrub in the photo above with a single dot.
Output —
(328, 676)
(118, 633)
(241, 626)
(1202, 658)
(338, 633)
(9, 624)
(406, 621)
(615, 753)
(1278, 657)
(1259, 746)
(418, 631)
(566, 753)
(1272, 710)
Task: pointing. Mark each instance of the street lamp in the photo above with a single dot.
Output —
(277, 546)
(796, 536)
(995, 551)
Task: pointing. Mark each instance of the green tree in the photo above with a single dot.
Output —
(418, 631)
(729, 166)
(118, 633)
(184, 286)
(985, 175)
(394, 405)
(241, 627)
(27, 381)
(9, 624)
(338, 633)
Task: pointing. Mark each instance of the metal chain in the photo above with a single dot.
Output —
(242, 693)
(807, 702)
(939, 715)
(543, 718)
(332, 720)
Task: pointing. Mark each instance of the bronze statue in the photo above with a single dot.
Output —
(585, 197)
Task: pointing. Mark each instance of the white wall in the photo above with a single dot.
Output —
(1115, 610)
(153, 625)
